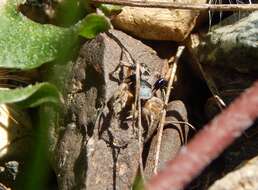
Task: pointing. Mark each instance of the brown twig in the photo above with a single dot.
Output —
(209, 81)
(6, 112)
(209, 143)
(163, 116)
(139, 116)
(174, 5)
(137, 108)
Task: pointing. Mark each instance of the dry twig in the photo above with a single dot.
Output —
(163, 116)
(139, 116)
(174, 5)
(137, 108)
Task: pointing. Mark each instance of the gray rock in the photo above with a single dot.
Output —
(233, 45)
(98, 148)
(173, 137)
(227, 58)
(9, 172)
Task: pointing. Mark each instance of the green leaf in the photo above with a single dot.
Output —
(110, 10)
(69, 12)
(92, 25)
(31, 96)
(138, 183)
(25, 44)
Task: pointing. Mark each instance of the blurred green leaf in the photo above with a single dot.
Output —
(25, 44)
(92, 25)
(31, 96)
(138, 183)
(37, 170)
(110, 10)
(69, 12)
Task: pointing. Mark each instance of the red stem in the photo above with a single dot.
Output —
(208, 143)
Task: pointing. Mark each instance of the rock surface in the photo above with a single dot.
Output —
(243, 178)
(158, 24)
(174, 136)
(227, 57)
(232, 46)
(98, 148)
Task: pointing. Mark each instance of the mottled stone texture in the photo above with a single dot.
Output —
(232, 46)
(228, 57)
(157, 23)
(97, 148)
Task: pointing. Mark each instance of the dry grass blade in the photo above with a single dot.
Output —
(137, 107)
(6, 111)
(139, 115)
(208, 79)
(163, 116)
(173, 5)
(184, 122)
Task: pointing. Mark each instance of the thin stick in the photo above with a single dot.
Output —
(174, 5)
(163, 116)
(182, 122)
(139, 116)
(208, 143)
(220, 102)
(209, 81)
(5, 109)
(137, 109)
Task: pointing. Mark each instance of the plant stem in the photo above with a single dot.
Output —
(172, 69)
(174, 5)
(139, 116)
